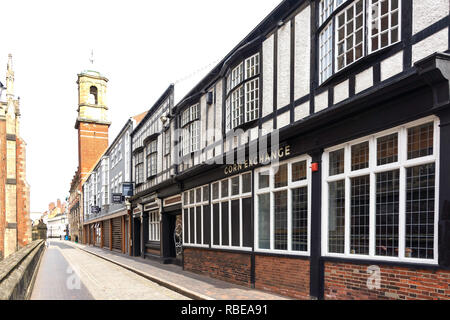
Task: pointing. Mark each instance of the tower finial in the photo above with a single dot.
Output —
(91, 59)
(10, 61)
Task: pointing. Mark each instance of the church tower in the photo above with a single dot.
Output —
(92, 122)
(15, 224)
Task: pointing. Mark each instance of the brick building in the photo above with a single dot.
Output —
(352, 202)
(15, 223)
(92, 127)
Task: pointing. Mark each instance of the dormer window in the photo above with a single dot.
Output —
(93, 95)
(344, 37)
(242, 103)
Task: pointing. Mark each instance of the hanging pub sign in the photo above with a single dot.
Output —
(95, 209)
(117, 198)
(127, 189)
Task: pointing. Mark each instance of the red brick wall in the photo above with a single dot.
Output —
(285, 276)
(2, 184)
(231, 267)
(92, 143)
(345, 281)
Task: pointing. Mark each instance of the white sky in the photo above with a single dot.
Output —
(141, 46)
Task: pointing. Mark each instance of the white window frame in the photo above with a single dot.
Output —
(154, 226)
(336, 31)
(229, 199)
(271, 190)
(369, 31)
(325, 11)
(251, 105)
(237, 106)
(197, 203)
(402, 164)
(328, 55)
(252, 66)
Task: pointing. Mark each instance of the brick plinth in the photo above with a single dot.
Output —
(283, 275)
(226, 266)
(346, 281)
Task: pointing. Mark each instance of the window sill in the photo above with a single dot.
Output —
(245, 126)
(151, 177)
(365, 61)
(381, 260)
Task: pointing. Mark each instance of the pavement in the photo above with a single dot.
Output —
(195, 286)
(67, 273)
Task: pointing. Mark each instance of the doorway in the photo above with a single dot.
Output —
(136, 237)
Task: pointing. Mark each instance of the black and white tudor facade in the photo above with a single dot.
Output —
(357, 94)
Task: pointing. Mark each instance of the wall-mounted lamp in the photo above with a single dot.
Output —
(164, 119)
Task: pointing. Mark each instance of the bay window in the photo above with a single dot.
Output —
(380, 197)
(190, 123)
(243, 87)
(282, 207)
(196, 217)
(231, 212)
(346, 31)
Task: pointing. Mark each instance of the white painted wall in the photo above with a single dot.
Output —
(392, 66)
(302, 53)
(423, 17)
(438, 42)
(341, 92)
(284, 66)
(268, 59)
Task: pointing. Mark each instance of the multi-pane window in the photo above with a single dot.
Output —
(167, 142)
(231, 212)
(384, 28)
(242, 103)
(196, 217)
(282, 203)
(349, 35)
(139, 168)
(382, 195)
(252, 66)
(353, 38)
(154, 226)
(190, 123)
(326, 8)
(252, 100)
(326, 53)
(151, 154)
(105, 180)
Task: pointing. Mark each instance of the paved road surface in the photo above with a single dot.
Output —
(67, 273)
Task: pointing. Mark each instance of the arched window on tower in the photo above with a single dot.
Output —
(93, 95)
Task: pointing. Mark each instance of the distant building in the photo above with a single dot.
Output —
(15, 223)
(107, 224)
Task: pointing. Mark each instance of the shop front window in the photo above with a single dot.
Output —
(381, 194)
(231, 213)
(283, 207)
